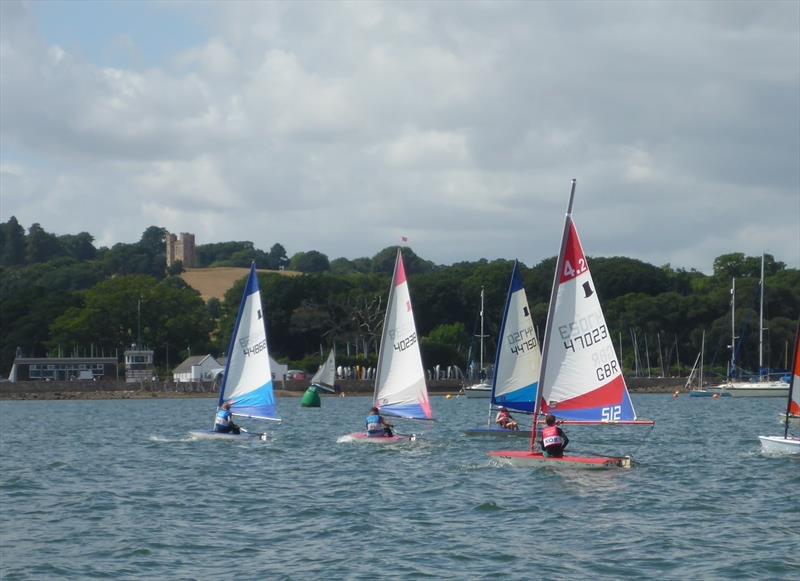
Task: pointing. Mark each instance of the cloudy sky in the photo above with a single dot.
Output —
(342, 126)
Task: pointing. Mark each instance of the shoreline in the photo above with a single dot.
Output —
(280, 394)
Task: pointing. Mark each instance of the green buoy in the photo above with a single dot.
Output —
(310, 398)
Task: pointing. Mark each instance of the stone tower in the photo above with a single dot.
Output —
(181, 249)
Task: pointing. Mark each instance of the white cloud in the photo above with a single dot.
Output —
(340, 126)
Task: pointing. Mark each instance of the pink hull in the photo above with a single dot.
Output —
(362, 437)
(523, 458)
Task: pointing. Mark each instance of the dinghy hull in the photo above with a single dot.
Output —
(496, 432)
(780, 445)
(212, 435)
(363, 438)
(523, 458)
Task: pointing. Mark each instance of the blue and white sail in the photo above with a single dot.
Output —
(247, 384)
(518, 360)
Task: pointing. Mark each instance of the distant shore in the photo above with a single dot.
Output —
(72, 390)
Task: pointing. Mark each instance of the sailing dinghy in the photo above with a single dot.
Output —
(517, 363)
(323, 379)
(400, 388)
(247, 383)
(581, 380)
(788, 444)
(482, 388)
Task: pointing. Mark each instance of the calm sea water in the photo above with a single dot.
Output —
(115, 489)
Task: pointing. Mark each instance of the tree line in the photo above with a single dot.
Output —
(63, 295)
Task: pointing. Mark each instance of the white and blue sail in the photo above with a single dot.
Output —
(247, 384)
(518, 360)
(400, 388)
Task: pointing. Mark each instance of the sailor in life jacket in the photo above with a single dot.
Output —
(505, 421)
(223, 422)
(376, 425)
(554, 440)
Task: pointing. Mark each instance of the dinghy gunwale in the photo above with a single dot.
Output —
(525, 458)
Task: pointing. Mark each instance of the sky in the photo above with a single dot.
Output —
(342, 127)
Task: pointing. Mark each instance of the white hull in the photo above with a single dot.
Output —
(479, 390)
(780, 445)
(771, 389)
(212, 435)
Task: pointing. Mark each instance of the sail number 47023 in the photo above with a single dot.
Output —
(611, 414)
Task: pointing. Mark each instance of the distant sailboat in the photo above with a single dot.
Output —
(247, 383)
(699, 390)
(482, 388)
(581, 379)
(400, 387)
(764, 387)
(788, 444)
(323, 379)
(517, 363)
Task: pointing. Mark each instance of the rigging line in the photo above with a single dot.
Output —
(647, 435)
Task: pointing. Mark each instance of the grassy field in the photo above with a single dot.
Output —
(214, 282)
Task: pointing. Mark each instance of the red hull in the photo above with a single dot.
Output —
(523, 458)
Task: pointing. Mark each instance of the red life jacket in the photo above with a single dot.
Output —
(551, 437)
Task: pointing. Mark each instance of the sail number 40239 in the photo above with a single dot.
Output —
(611, 414)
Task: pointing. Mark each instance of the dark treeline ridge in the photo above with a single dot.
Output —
(62, 295)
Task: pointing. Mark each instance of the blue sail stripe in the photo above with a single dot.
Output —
(259, 402)
(522, 400)
(411, 411)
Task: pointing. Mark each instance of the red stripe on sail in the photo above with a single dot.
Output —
(401, 272)
(794, 408)
(574, 260)
(610, 394)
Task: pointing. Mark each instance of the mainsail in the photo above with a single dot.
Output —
(518, 360)
(326, 374)
(581, 377)
(247, 384)
(400, 388)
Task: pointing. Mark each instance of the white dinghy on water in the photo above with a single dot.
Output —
(517, 363)
(400, 388)
(788, 444)
(581, 380)
(247, 383)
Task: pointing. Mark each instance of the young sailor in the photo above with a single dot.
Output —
(223, 422)
(554, 440)
(376, 425)
(505, 421)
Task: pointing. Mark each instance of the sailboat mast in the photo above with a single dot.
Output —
(761, 325)
(548, 331)
(702, 351)
(793, 371)
(732, 369)
(385, 327)
(481, 356)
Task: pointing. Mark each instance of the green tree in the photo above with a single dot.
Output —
(13, 251)
(41, 246)
(78, 246)
(311, 261)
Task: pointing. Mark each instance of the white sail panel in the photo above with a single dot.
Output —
(582, 377)
(518, 360)
(247, 384)
(400, 387)
(326, 374)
